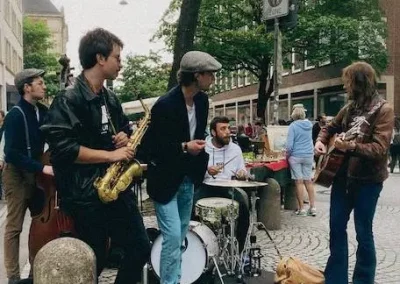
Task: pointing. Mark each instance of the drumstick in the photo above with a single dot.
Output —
(229, 161)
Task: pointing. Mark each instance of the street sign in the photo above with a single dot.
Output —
(275, 9)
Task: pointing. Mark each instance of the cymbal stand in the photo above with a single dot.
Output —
(251, 249)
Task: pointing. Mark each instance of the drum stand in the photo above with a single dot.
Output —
(251, 249)
(229, 255)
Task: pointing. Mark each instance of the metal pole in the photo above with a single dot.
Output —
(276, 82)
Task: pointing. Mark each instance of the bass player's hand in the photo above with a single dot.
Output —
(320, 148)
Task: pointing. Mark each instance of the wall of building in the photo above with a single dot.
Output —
(58, 29)
(11, 51)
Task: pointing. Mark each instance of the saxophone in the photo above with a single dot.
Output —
(120, 174)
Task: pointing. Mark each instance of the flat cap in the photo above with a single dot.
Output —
(21, 77)
(198, 61)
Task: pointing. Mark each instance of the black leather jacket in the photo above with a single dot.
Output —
(75, 119)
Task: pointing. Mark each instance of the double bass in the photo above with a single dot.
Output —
(50, 222)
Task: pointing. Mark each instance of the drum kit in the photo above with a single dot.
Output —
(210, 245)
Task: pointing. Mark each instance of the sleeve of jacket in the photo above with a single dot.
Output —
(61, 130)
(15, 145)
(381, 136)
(333, 127)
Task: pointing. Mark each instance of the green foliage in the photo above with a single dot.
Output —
(37, 42)
(339, 30)
(143, 76)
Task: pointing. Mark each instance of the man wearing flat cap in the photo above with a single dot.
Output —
(177, 162)
(24, 145)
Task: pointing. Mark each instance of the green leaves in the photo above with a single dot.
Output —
(37, 44)
(143, 76)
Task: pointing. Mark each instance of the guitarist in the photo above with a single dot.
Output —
(358, 183)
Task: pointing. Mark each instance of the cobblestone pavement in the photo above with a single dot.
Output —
(308, 237)
(303, 237)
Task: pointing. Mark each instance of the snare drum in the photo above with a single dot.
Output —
(212, 209)
(201, 245)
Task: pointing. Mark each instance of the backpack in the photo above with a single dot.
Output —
(291, 270)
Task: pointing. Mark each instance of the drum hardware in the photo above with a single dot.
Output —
(255, 261)
(251, 249)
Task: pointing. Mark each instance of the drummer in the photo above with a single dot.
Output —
(225, 160)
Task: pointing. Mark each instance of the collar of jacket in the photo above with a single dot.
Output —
(88, 94)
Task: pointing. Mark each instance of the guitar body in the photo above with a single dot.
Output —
(328, 165)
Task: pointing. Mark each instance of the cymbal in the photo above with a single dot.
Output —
(234, 183)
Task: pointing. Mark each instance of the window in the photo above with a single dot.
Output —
(8, 54)
(234, 79)
(14, 61)
(1, 47)
(325, 41)
(307, 64)
(7, 11)
(14, 23)
(297, 61)
(20, 67)
(241, 77)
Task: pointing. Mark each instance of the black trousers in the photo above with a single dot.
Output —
(122, 222)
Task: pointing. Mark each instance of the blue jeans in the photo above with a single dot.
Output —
(363, 200)
(173, 219)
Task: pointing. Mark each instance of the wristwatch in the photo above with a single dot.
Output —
(184, 147)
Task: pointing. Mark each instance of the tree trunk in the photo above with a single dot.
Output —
(184, 35)
(264, 94)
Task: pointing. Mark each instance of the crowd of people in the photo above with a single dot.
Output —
(87, 131)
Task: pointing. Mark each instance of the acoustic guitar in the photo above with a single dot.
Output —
(329, 164)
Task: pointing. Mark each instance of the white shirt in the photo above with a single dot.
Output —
(191, 110)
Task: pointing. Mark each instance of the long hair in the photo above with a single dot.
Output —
(360, 82)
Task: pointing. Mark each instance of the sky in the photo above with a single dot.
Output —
(134, 23)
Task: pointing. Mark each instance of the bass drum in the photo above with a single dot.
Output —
(201, 245)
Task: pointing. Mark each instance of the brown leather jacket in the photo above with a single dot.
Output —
(368, 162)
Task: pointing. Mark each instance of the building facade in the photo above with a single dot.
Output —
(11, 51)
(44, 10)
(319, 89)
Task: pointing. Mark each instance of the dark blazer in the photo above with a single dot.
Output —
(162, 145)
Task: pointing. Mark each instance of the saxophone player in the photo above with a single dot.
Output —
(87, 131)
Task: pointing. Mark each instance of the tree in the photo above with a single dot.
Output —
(143, 76)
(337, 30)
(37, 43)
(185, 27)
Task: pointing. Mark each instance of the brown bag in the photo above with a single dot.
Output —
(291, 270)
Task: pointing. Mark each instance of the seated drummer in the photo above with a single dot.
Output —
(222, 150)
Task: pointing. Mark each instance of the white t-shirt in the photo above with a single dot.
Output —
(191, 110)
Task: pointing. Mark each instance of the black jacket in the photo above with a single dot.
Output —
(75, 119)
(169, 127)
(15, 148)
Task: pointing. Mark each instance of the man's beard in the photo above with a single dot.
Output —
(222, 141)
